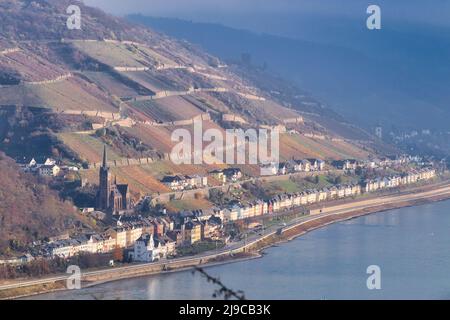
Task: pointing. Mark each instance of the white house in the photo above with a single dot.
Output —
(148, 249)
(49, 170)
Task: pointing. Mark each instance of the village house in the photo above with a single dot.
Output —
(211, 229)
(120, 235)
(196, 181)
(33, 166)
(49, 170)
(180, 183)
(158, 227)
(322, 195)
(308, 197)
(347, 165)
(245, 211)
(175, 237)
(219, 175)
(108, 243)
(282, 168)
(63, 248)
(341, 192)
(297, 165)
(332, 193)
(356, 189)
(148, 248)
(316, 164)
(269, 169)
(233, 174)
(192, 232)
(218, 212)
(174, 183)
(232, 213)
(133, 233)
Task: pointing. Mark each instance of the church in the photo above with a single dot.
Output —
(112, 198)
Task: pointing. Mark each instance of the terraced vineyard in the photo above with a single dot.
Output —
(30, 67)
(87, 147)
(70, 94)
(155, 82)
(168, 109)
(114, 54)
(304, 147)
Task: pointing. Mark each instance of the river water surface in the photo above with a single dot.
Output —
(410, 245)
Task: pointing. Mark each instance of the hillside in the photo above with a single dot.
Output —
(29, 210)
(65, 93)
(398, 76)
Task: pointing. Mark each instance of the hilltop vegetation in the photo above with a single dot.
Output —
(30, 210)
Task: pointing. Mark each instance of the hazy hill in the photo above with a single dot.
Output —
(46, 20)
(398, 76)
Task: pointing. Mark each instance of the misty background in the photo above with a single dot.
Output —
(397, 76)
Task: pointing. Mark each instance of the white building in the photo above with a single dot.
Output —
(49, 170)
(149, 249)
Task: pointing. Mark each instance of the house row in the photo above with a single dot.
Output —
(399, 180)
(306, 165)
(348, 164)
(49, 168)
(384, 162)
(198, 225)
(227, 175)
(288, 201)
(292, 166)
(123, 236)
(184, 182)
(160, 236)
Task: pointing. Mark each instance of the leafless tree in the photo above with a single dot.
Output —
(223, 290)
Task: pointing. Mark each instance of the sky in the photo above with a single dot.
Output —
(242, 13)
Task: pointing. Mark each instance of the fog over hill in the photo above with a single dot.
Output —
(396, 76)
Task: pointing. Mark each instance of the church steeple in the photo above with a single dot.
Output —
(104, 184)
(105, 157)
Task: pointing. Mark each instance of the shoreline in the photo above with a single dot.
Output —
(252, 250)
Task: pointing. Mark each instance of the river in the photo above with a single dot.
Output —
(410, 245)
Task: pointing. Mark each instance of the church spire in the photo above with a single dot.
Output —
(104, 156)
